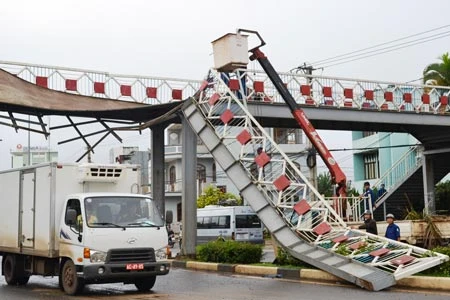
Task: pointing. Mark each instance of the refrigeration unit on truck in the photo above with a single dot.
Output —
(86, 223)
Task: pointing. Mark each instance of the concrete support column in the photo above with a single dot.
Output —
(428, 184)
(189, 189)
(158, 194)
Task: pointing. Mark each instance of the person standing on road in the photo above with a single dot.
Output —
(370, 225)
(392, 231)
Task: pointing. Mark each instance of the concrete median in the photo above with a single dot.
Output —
(412, 282)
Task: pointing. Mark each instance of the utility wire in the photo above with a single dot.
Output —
(382, 52)
(378, 45)
(374, 148)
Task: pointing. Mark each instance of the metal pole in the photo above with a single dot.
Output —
(29, 142)
(312, 170)
(189, 190)
(158, 174)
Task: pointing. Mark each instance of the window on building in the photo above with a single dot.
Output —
(286, 136)
(201, 173)
(371, 165)
(368, 133)
(179, 212)
(172, 178)
(214, 172)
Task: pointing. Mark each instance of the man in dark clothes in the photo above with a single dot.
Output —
(370, 225)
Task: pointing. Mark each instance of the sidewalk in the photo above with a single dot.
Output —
(412, 282)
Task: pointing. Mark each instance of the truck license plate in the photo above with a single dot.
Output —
(135, 266)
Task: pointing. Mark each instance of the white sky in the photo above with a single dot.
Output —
(172, 39)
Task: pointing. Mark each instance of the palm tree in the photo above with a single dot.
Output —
(438, 73)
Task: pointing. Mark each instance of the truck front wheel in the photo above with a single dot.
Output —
(70, 282)
(145, 284)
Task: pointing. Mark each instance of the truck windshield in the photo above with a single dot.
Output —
(122, 212)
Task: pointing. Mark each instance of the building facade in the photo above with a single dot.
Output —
(24, 156)
(375, 153)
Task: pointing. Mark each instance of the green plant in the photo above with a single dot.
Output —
(285, 259)
(442, 269)
(214, 196)
(343, 250)
(432, 236)
(228, 251)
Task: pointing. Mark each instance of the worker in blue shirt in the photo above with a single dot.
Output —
(392, 231)
(368, 192)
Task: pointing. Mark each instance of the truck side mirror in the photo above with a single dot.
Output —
(169, 217)
(71, 217)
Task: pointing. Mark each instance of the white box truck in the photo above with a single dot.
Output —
(85, 223)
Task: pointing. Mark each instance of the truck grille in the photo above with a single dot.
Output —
(131, 255)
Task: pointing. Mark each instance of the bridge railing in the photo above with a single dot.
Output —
(136, 88)
(314, 90)
(324, 91)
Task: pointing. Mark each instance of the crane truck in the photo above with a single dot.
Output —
(337, 175)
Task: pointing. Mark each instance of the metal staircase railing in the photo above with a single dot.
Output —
(393, 178)
(281, 195)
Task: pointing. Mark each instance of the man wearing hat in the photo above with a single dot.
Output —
(370, 225)
(392, 231)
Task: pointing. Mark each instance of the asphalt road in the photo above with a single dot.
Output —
(182, 284)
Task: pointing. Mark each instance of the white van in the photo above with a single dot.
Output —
(238, 223)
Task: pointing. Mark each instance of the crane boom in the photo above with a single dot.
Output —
(337, 175)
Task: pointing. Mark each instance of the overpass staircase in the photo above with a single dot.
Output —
(299, 218)
(408, 191)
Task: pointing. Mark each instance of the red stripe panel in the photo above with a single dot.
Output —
(348, 93)
(152, 92)
(322, 228)
(282, 183)
(258, 86)
(305, 90)
(302, 207)
(233, 84)
(388, 96)
(214, 99)
(262, 159)
(368, 94)
(244, 137)
(407, 97)
(327, 91)
(99, 87)
(42, 81)
(227, 116)
(444, 100)
(125, 90)
(177, 94)
(340, 239)
(71, 85)
(426, 99)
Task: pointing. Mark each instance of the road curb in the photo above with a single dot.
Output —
(411, 282)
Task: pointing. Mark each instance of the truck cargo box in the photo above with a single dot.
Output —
(32, 199)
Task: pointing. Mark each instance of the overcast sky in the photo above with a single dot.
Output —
(172, 39)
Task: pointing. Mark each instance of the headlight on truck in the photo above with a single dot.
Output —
(161, 254)
(98, 256)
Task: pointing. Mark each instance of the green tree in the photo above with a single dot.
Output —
(438, 73)
(324, 185)
(214, 196)
(443, 195)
